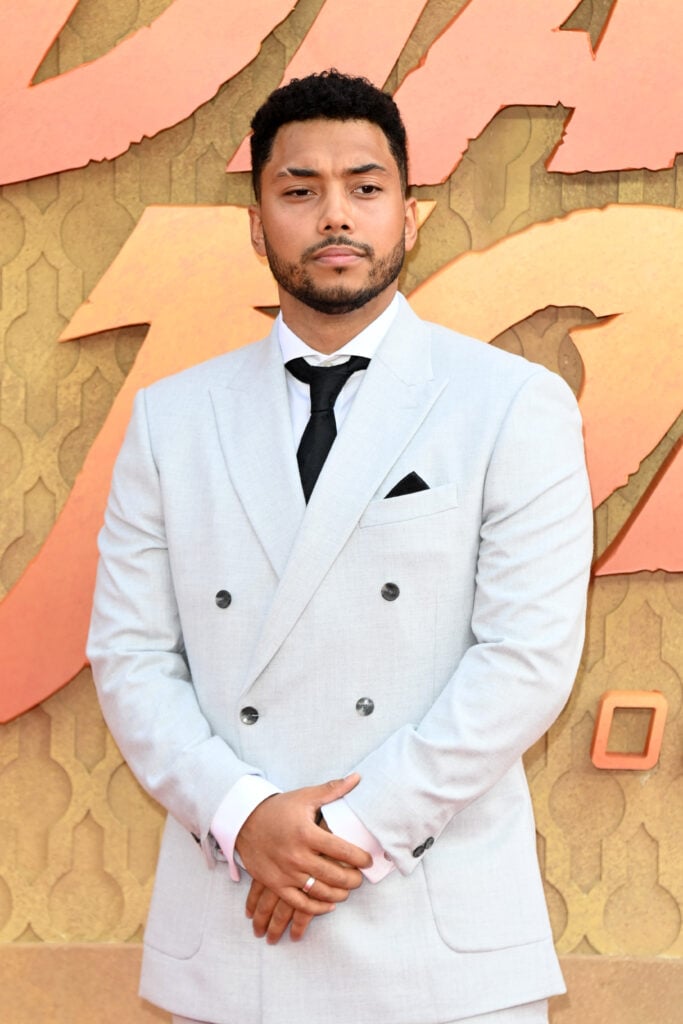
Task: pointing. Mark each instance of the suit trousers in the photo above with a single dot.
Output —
(528, 1013)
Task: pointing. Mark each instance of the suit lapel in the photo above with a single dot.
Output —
(397, 393)
(255, 429)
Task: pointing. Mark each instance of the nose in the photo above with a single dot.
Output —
(336, 213)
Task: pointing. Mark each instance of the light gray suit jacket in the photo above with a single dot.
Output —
(467, 667)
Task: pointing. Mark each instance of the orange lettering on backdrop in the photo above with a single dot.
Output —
(26, 31)
(623, 262)
(626, 96)
(161, 74)
(652, 538)
(349, 29)
(643, 760)
(151, 80)
(191, 273)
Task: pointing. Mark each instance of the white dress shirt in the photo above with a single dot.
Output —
(249, 791)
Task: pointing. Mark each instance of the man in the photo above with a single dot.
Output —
(372, 572)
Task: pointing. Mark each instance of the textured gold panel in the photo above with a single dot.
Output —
(78, 839)
(612, 839)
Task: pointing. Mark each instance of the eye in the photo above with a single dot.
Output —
(368, 189)
(299, 192)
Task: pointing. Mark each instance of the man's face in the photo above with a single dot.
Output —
(332, 218)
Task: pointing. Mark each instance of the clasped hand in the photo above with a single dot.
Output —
(281, 847)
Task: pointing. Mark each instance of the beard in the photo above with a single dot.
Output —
(336, 299)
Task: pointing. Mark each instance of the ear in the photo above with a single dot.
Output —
(256, 229)
(410, 223)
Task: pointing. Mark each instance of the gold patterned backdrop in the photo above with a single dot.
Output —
(78, 838)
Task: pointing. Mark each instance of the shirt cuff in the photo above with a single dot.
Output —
(345, 823)
(243, 798)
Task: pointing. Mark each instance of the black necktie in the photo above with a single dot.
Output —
(325, 383)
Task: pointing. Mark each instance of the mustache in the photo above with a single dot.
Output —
(337, 240)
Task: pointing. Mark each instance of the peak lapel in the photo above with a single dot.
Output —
(395, 397)
(255, 429)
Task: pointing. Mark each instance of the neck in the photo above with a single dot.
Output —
(327, 333)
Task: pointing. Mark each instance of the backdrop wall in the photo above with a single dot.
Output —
(575, 268)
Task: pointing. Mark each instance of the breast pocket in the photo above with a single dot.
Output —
(410, 506)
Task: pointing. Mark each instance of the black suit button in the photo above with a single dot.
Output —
(248, 716)
(429, 842)
(365, 706)
(390, 591)
(223, 598)
(418, 851)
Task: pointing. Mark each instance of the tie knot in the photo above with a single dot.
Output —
(325, 382)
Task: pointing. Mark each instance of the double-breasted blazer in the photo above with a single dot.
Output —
(236, 629)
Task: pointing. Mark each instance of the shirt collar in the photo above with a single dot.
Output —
(365, 343)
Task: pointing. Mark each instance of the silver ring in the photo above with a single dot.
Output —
(308, 885)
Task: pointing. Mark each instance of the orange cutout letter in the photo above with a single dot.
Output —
(151, 80)
(625, 96)
(334, 38)
(609, 702)
(621, 262)
(650, 540)
(191, 273)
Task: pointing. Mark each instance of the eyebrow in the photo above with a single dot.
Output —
(365, 168)
(308, 172)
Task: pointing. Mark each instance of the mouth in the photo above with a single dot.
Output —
(338, 255)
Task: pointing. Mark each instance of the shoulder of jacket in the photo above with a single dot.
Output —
(482, 371)
(452, 347)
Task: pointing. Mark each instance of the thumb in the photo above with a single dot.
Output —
(334, 789)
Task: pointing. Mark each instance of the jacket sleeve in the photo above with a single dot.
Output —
(137, 655)
(528, 623)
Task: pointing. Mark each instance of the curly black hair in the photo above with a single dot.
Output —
(333, 95)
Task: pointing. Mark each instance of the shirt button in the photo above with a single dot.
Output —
(248, 716)
(418, 851)
(390, 591)
(365, 706)
(428, 843)
(223, 598)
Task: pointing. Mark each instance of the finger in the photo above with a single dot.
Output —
(300, 923)
(255, 890)
(336, 848)
(335, 789)
(327, 894)
(280, 918)
(337, 876)
(263, 912)
(306, 904)
(343, 880)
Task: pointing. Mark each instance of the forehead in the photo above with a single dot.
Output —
(323, 144)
